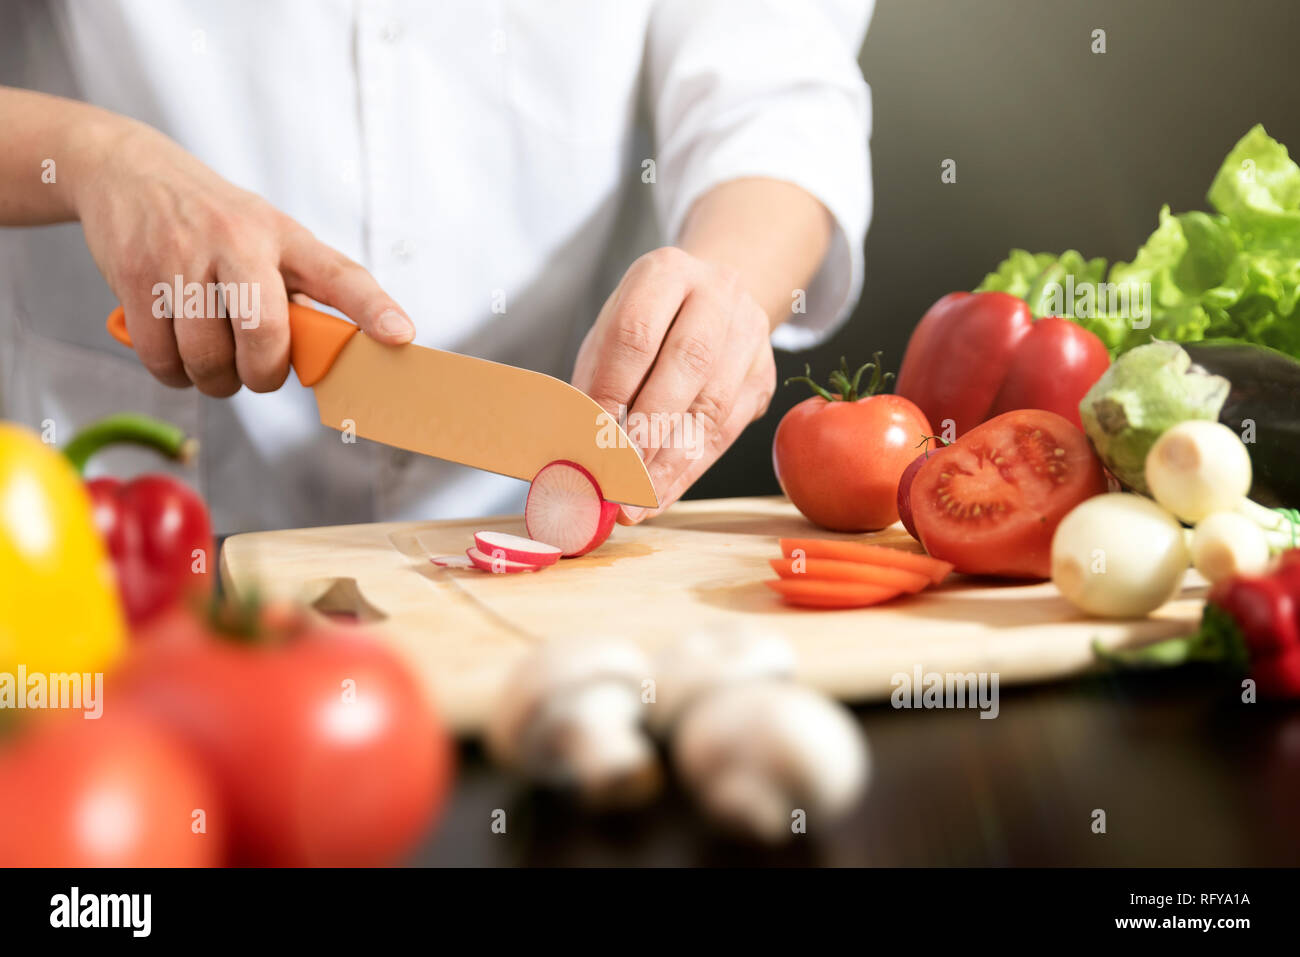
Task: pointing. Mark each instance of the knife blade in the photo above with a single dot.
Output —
(475, 412)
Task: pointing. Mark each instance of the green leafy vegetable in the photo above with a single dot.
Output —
(1142, 394)
(1230, 274)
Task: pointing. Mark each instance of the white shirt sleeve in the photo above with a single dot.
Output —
(767, 88)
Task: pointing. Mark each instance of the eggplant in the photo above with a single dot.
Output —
(1263, 407)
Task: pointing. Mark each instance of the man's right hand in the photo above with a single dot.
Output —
(152, 212)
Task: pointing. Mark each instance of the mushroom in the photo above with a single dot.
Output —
(571, 716)
(703, 660)
(754, 753)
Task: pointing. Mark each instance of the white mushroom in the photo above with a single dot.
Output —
(571, 716)
(706, 659)
(755, 753)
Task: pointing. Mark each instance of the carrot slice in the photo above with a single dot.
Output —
(825, 594)
(828, 569)
(933, 568)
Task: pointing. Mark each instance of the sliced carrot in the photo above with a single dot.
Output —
(933, 568)
(828, 569)
(828, 594)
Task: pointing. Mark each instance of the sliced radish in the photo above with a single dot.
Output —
(565, 509)
(497, 563)
(452, 561)
(517, 548)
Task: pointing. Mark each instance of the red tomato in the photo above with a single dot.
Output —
(115, 791)
(840, 462)
(324, 748)
(1052, 368)
(990, 503)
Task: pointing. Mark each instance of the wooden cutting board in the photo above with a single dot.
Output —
(700, 564)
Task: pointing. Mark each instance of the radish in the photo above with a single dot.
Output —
(497, 563)
(565, 509)
(452, 561)
(517, 548)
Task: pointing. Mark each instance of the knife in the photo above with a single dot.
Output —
(472, 411)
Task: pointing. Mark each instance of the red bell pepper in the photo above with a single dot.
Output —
(1250, 623)
(156, 527)
(977, 355)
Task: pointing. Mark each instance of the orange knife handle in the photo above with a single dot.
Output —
(116, 326)
(315, 339)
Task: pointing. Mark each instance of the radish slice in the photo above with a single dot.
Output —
(517, 548)
(497, 563)
(565, 509)
(452, 561)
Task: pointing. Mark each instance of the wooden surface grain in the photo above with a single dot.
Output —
(700, 565)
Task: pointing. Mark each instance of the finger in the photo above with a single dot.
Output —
(588, 359)
(258, 310)
(148, 320)
(331, 278)
(754, 396)
(626, 350)
(695, 378)
(206, 342)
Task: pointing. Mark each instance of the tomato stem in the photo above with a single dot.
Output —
(130, 427)
(848, 386)
(924, 444)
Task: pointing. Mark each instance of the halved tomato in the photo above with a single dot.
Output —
(990, 503)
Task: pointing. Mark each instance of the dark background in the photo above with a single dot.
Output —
(1056, 148)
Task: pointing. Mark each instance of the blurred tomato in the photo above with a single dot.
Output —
(322, 744)
(109, 792)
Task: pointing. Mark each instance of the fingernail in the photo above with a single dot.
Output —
(395, 324)
(633, 514)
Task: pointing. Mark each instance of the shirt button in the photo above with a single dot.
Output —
(403, 250)
(391, 31)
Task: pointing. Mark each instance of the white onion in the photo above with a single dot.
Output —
(1118, 556)
(1227, 544)
(1197, 468)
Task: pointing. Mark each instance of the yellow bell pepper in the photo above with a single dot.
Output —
(59, 609)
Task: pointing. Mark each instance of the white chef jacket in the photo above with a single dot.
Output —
(495, 165)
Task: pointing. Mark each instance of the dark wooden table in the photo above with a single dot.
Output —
(1186, 773)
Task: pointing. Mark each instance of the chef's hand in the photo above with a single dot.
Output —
(683, 340)
(151, 212)
(682, 349)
